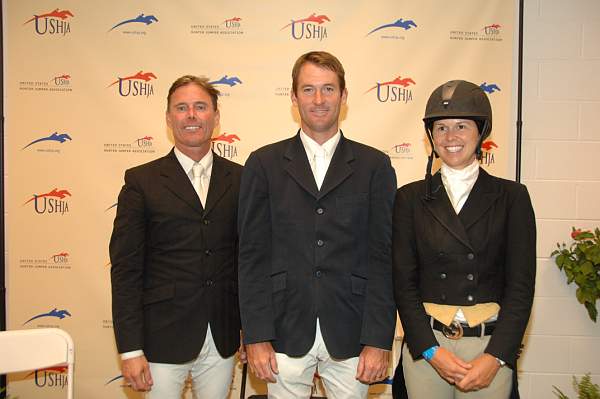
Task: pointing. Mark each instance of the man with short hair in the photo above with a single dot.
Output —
(174, 258)
(315, 249)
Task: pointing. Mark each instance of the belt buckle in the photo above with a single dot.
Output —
(453, 331)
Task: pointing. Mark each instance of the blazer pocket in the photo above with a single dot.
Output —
(359, 284)
(159, 294)
(278, 281)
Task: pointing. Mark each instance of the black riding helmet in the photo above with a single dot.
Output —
(457, 99)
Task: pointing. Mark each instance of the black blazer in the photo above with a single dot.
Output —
(308, 253)
(486, 253)
(174, 264)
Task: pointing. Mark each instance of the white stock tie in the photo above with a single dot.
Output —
(320, 167)
(198, 181)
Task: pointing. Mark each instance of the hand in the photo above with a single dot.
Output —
(372, 365)
(136, 372)
(261, 358)
(449, 366)
(242, 350)
(484, 369)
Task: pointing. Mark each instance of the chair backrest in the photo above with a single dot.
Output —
(22, 350)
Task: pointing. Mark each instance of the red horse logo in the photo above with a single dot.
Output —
(54, 193)
(62, 14)
(56, 369)
(141, 75)
(495, 26)
(404, 82)
(60, 254)
(228, 138)
(488, 145)
(319, 19)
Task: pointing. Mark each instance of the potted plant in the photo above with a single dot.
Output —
(581, 263)
(585, 389)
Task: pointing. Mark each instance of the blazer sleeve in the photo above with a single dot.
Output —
(415, 321)
(254, 264)
(520, 268)
(379, 315)
(127, 254)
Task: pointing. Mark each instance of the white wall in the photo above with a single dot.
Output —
(561, 148)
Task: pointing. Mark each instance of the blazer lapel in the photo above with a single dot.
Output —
(339, 168)
(444, 213)
(175, 179)
(298, 167)
(220, 182)
(481, 198)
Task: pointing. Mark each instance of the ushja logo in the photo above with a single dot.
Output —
(487, 155)
(51, 377)
(493, 29)
(145, 141)
(54, 201)
(310, 27)
(136, 85)
(224, 146)
(394, 90)
(52, 23)
(232, 22)
(62, 257)
(61, 80)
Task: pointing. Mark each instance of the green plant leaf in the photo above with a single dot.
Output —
(587, 268)
(559, 394)
(592, 311)
(560, 260)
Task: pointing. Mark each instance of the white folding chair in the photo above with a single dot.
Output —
(22, 350)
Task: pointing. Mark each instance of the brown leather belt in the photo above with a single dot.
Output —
(458, 330)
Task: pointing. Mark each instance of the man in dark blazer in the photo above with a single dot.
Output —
(315, 255)
(174, 257)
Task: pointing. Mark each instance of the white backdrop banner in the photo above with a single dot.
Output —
(85, 96)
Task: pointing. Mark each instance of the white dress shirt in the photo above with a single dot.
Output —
(319, 156)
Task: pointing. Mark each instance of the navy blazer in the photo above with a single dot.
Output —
(174, 263)
(307, 253)
(486, 253)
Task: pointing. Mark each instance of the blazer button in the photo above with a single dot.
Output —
(209, 283)
(320, 243)
(441, 254)
(208, 252)
(470, 298)
(443, 297)
(318, 273)
(320, 211)
(470, 256)
(443, 276)
(206, 221)
(470, 277)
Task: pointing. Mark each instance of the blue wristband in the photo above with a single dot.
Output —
(429, 353)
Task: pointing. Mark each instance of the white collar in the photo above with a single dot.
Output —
(187, 163)
(459, 183)
(312, 147)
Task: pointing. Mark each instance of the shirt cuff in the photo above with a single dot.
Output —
(132, 354)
